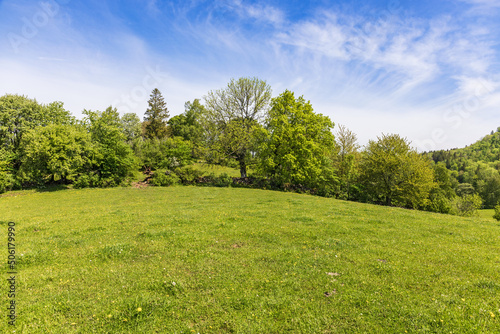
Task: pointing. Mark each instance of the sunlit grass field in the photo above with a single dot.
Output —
(486, 213)
(223, 260)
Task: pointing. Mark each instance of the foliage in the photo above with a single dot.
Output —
(476, 165)
(156, 116)
(86, 180)
(442, 195)
(346, 162)
(55, 153)
(296, 143)
(167, 153)
(222, 180)
(395, 173)
(7, 179)
(231, 117)
(188, 174)
(188, 127)
(19, 114)
(467, 205)
(131, 127)
(497, 212)
(114, 160)
(164, 179)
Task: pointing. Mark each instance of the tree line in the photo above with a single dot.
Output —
(276, 143)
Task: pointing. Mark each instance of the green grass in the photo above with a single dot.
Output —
(224, 260)
(487, 213)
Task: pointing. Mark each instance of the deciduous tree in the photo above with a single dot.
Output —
(55, 153)
(395, 173)
(296, 144)
(231, 117)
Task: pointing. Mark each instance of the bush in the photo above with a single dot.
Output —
(188, 175)
(497, 212)
(467, 205)
(6, 182)
(86, 181)
(223, 180)
(164, 179)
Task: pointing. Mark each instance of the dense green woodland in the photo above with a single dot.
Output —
(276, 143)
(475, 168)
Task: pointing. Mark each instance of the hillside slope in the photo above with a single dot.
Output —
(475, 168)
(223, 260)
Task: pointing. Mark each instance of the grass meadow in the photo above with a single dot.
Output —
(224, 260)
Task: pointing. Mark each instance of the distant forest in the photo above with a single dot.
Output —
(276, 143)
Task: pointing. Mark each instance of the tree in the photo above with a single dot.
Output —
(231, 117)
(187, 125)
(441, 197)
(55, 153)
(19, 114)
(7, 179)
(131, 127)
(346, 160)
(114, 160)
(156, 116)
(165, 153)
(296, 144)
(395, 173)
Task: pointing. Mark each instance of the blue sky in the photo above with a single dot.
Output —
(427, 70)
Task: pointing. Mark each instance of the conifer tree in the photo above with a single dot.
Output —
(156, 116)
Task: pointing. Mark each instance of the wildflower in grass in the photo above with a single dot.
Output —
(109, 315)
(139, 309)
(492, 314)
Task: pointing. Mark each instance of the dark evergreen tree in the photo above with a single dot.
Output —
(156, 116)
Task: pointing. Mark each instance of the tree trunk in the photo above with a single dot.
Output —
(243, 166)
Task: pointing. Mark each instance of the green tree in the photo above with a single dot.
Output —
(19, 114)
(441, 196)
(296, 144)
(7, 179)
(231, 117)
(131, 127)
(114, 160)
(55, 153)
(187, 125)
(165, 153)
(156, 116)
(395, 173)
(346, 161)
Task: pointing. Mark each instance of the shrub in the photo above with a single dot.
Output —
(188, 175)
(164, 179)
(497, 212)
(86, 180)
(467, 205)
(6, 181)
(223, 180)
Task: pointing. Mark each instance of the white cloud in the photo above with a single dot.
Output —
(259, 12)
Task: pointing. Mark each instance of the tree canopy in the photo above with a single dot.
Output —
(231, 117)
(296, 143)
(395, 173)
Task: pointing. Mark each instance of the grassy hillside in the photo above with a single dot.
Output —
(222, 260)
